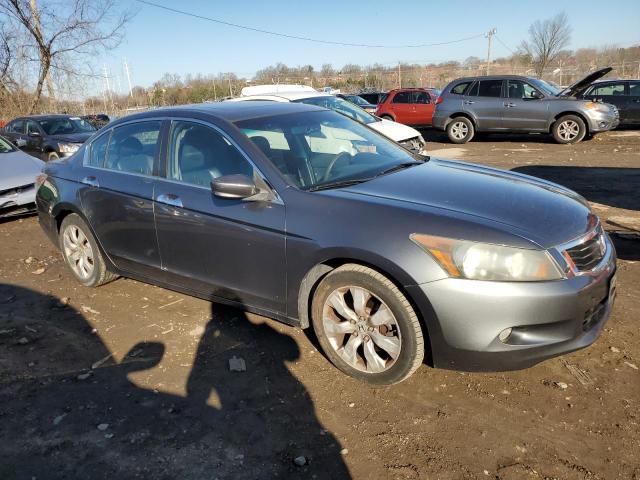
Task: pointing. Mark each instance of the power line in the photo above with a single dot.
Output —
(296, 37)
(505, 45)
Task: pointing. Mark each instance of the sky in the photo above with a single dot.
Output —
(159, 41)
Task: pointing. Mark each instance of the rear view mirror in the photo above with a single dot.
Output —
(234, 186)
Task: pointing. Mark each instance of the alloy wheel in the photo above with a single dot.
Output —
(459, 130)
(568, 130)
(78, 251)
(361, 329)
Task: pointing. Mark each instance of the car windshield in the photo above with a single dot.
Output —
(357, 100)
(546, 87)
(340, 106)
(5, 147)
(321, 149)
(64, 126)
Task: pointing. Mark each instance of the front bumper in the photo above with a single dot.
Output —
(602, 122)
(17, 201)
(466, 317)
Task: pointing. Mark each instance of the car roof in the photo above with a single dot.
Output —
(45, 116)
(493, 77)
(228, 111)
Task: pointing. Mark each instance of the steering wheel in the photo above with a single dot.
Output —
(333, 163)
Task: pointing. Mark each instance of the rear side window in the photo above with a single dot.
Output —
(490, 88)
(421, 97)
(16, 127)
(402, 97)
(98, 151)
(634, 89)
(460, 88)
(132, 148)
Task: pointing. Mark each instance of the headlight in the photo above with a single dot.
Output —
(68, 147)
(597, 106)
(484, 261)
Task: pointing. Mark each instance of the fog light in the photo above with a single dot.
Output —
(504, 335)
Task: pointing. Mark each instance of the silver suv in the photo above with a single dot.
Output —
(521, 104)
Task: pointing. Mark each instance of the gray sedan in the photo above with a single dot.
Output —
(301, 214)
(18, 172)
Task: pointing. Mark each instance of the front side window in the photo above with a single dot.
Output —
(611, 89)
(132, 148)
(634, 89)
(490, 88)
(5, 146)
(323, 149)
(402, 97)
(98, 151)
(32, 127)
(521, 90)
(198, 154)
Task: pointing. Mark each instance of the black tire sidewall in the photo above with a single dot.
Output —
(409, 345)
(470, 133)
(581, 135)
(98, 262)
(52, 157)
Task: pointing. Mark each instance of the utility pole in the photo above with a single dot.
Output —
(489, 35)
(126, 69)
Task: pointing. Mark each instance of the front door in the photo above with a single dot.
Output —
(117, 195)
(33, 140)
(219, 247)
(523, 109)
(401, 107)
(423, 107)
(485, 103)
(634, 102)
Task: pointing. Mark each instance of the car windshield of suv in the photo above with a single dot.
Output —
(5, 147)
(65, 126)
(546, 87)
(321, 150)
(340, 106)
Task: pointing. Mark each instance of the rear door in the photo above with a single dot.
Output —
(117, 196)
(219, 247)
(14, 131)
(634, 102)
(522, 109)
(401, 106)
(614, 93)
(423, 107)
(485, 103)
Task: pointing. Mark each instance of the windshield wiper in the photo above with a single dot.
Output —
(395, 168)
(338, 184)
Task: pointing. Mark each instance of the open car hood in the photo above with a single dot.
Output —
(580, 86)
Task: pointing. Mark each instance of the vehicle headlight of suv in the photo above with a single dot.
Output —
(68, 147)
(485, 261)
(597, 106)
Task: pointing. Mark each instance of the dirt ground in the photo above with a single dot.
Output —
(133, 381)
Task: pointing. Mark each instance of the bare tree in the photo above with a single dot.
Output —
(547, 38)
(66, 33)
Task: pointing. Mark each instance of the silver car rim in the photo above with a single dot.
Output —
(459, 130)
(568, 130)
(78, 251)
(361, 329)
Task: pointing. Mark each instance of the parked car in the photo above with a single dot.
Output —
(510, 103)
(18, 172)
(374, 98)
(411, 106)
(48, 137)
(98, 120)
(359, 101)
(624, 94)
(387, 254)
(404, 135)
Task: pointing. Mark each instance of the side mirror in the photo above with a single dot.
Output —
(536, 95)
(234, 186)
(34, 134)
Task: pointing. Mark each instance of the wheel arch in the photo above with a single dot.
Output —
(570, 112)
(467, 115)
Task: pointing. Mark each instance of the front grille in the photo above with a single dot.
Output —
(16, 190)
(587, 255)
(413, 144)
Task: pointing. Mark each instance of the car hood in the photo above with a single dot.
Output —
(541, 212)
(72, 137)
(581, 86)
(18, 169)
(394, 130)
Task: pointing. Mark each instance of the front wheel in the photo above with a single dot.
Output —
(569, 129)
(52, 156)
(460, 130)
(366, 326)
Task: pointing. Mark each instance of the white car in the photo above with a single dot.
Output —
(406, 136)
(18, 172)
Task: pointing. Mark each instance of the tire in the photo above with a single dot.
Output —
(569, 129)
(387, 117)
(354, 343)
(82, 254)
(52, 156)
(460, 130)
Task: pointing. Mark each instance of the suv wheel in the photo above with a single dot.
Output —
(460, 130)
(81, 253)
(366, 326)
(51, 156)
(569, 129)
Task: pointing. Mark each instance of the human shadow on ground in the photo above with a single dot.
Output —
(57, 423)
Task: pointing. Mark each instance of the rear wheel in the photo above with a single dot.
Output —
(460, 130)
(366, 326)
(387, 117)
(81, 253)
(51, 156)
(569, 129)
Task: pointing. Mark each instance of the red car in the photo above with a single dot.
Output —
(411, 106)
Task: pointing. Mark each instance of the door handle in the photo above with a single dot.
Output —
(169, 199)
(91, 181)
(509, 104)
(468, 102)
